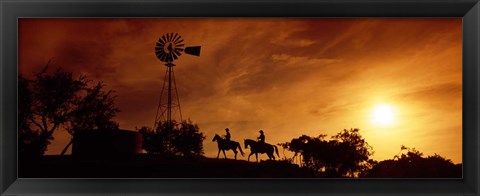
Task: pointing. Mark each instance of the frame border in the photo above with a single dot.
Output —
(469, 10)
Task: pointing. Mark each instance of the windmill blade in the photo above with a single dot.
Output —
(193, 50)
(179, 49)
(159, 48)
(159, 51)
(164, 39)
(164, 57)
(160, 41)
(159, 56)
(178, 42)
(171, 36)
(174, 56)
(168, 37)
(159, 45)
(180, 45)
(176, 39)
(177, 53)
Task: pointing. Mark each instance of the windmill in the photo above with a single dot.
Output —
(167, 49)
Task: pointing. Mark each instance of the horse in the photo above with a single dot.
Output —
(257, 147)
(223, 145)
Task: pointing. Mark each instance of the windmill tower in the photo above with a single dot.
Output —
(168, 48)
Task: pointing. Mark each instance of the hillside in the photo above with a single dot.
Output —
(145, 166)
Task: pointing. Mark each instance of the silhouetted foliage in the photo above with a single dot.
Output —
(51, 99)
(354, 152)
(30, 142)
(184, 139)
(345, 155)
(413, 164)
(189, 140)
(58, 99)
(93, 111)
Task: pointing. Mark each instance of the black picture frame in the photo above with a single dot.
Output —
(11, 10)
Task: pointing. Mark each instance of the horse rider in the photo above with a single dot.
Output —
(261, 138)
(227, 135)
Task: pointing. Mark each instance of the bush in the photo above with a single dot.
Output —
(346, 155)
(413, 164)
(183, 139)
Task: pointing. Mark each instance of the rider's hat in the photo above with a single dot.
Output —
(261, 131)
(226, 129)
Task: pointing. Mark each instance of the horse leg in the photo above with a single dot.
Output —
(251, 153)
(235, 151)
(218, 153)
(271, 155)
(256, 157)
(224, 154)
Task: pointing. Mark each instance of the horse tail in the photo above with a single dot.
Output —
(240, 148)
(276, 150)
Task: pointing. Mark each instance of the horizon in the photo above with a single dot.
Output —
(398, 80)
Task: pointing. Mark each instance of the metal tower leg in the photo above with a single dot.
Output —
(164, 110)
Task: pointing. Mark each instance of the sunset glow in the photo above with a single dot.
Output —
(383, 114)
(399, 80)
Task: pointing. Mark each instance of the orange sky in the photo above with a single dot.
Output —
(285, 76)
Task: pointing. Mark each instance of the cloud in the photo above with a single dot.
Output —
(435, 95)
(287, 76)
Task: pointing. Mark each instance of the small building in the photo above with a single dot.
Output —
(100, 144)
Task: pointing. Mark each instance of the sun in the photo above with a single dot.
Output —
(383, 114)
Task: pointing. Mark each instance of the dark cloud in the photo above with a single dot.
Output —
(436, 95)
(286, 76)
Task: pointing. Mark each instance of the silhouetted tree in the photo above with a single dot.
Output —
(354, 152)
(413, 164)
(58, 99)
(183, 139)
(30, 142)
(94, 111)
(189, 139)
(345, 155)
(51, 102)
(160, 140)
(150, 143)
